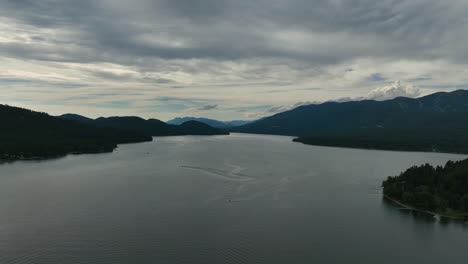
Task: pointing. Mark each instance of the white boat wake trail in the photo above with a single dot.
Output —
(232, 175)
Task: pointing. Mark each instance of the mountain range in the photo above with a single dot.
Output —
(151, 127)
(27, 134)
(437, 122)
(208, 121)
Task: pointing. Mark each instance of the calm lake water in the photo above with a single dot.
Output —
(226, 199)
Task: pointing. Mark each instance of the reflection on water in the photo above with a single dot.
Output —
(223, 199)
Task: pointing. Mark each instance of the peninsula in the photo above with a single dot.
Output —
(437, 190)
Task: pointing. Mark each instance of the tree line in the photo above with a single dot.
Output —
(441, 189)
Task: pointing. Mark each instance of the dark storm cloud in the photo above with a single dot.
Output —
(319, 32)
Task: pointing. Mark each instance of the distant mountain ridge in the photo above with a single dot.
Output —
(151, 127)
(208, 121)
(436, 122)
(76, 117)
(331, 117)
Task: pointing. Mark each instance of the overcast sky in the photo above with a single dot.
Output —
(236, 59)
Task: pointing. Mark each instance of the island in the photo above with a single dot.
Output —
(441, 190)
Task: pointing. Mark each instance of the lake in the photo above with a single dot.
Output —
(221, 199)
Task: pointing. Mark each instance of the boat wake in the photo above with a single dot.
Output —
(233, 174)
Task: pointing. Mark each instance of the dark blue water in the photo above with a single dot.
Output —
(226, 199)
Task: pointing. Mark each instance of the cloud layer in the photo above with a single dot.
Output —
(394, 90)
(111, 57)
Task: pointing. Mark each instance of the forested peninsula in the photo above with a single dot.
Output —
(440, 190)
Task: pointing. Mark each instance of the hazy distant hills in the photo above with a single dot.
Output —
(151, 127)
(210, 122)
(437, 122)
(26, 134)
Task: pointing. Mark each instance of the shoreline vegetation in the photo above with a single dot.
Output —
(9, 157)
(439, 191)
(462, 217)
(453, 145)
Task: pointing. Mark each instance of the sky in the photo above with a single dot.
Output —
(225, 59)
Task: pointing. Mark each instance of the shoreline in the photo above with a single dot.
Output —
(12, 158)
(416, 150)
(6, 158)
(434, 214)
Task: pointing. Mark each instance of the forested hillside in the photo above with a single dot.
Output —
(437, 122)
(26, 134)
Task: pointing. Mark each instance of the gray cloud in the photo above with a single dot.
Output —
(208, 107)
(242, 29)
(394, 90)
(391, 91)
(242, 53)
